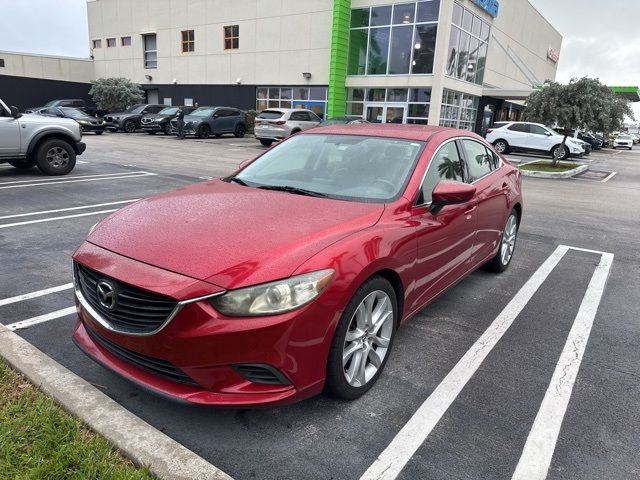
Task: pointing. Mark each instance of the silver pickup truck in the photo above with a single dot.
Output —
(32, 140)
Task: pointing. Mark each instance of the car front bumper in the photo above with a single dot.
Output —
(80, 147)
(210, 349)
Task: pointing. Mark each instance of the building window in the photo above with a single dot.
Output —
(111, 42)
(1, 62)
(97, 43)
(311, 98)
(458, 110)
(125, 41)
(231, 37)
(411, 104)
(468, 44)
(188, 41)
(150, 51)
(393, 39)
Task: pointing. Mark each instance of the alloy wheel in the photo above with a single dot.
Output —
(500, 147)
(508, 240)
(367, 339)
(57, 157)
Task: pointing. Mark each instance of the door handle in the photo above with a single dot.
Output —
(470, 209)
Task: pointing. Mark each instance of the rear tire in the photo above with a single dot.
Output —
(239, 131)
(501, 146)
(359, 351)
(266, 143)
(23, 164)
(55, 157)
(501, 261)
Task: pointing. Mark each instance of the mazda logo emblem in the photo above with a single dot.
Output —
(106, 295)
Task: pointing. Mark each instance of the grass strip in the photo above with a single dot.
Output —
(545, 166)
(39, 440)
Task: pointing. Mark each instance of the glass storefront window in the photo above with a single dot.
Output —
(376, 94)
(396, 95)
(467, 53)
(355, 95)
(395, 39)
(372, 103)
(459, 110)
(312, 98)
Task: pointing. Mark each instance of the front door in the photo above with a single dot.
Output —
(385, 113)
(9, 134)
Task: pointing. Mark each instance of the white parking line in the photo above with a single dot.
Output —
(18, 215)
(41, 319)
(39, 293)
(541, 442)
(145, 174)
(53, 219)
(609, 177)
(392, 460)
(67, 177)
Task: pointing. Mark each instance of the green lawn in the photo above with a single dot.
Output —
(545, 166)
(39, 440)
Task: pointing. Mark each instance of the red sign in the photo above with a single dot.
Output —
(553, 55)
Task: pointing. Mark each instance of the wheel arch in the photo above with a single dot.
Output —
(42, 137)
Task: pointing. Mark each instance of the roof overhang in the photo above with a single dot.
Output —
(507, 94)
(630, 94)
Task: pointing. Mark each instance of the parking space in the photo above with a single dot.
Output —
(539, 366)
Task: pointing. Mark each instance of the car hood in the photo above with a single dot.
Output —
(193, 118)
(230, 235)
(120, 115)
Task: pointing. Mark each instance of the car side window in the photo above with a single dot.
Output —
(314, 118)
(478, 160)
(518, 127)
(445, 165)
(295, 116)
(537, 130)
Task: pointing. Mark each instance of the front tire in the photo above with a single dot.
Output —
(204, 132)
(166, 129)
(363, 340)
(501, 261)
(55, 157)
(501, 146)
(129, 126)
(239, 131)
(560, 152)
(99, 133)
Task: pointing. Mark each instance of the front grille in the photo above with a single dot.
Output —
(108, 119)
(156, 366)
(259, 373)
(136, 310)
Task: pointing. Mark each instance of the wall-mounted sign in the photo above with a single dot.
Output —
(490, 6)
(553, 55)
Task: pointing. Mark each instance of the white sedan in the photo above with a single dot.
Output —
(624, 141)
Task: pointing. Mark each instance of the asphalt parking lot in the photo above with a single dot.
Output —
(487, 366)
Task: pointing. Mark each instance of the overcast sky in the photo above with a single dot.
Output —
(601, 40)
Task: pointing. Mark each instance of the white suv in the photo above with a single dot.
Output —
(277, 124)
(532, 137)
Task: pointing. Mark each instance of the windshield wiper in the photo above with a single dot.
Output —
(296, 190)
(237, 180)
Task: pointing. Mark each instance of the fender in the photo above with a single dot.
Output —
(54, 133)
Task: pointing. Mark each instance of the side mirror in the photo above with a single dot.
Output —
(14, 112)
(548, 134)
(448, 192)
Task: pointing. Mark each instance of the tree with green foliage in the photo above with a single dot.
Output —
(116, 93)
(584, 104)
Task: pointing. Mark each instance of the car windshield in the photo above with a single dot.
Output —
(169, 111)
(346, 167)
(624, 136)
(554, 131)
(73, 112)
(203, 112)
(270, 114)
(135, 109)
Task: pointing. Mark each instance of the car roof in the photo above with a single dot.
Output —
(286, 110)
(393, 130)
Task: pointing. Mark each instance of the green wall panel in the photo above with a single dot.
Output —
(338, 58)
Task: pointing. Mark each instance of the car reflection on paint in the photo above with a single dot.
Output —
(293, 274)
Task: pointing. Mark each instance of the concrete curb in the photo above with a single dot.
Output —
(136, 439)
(568, 174)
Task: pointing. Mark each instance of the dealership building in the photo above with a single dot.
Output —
(456, 63)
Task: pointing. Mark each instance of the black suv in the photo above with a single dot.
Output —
(206, 121)
(129, 120)
(153, 123)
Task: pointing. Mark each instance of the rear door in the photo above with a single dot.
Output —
(491, 198)
(517, 135)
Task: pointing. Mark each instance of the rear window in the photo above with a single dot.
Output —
(270, 114)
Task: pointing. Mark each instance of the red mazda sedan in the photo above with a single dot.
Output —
(293, 274)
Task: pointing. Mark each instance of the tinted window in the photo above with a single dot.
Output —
(445, 165)
(270, 114)
(169, 111)
(519, 127)
(300, 116)
(73, 112)
(537, 130)
(154, 108)
(203, 112)
(478, 159)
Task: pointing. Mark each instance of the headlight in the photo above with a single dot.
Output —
(83, 122)
(275, 297)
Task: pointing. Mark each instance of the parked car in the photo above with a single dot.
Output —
(623, 140)
(206, 121)
(31, 140)
(87, 122)
(596, 143)
(72, 103)
(636, 137)
(293, 274)
(532, 137)
(129, 120)
(153, 123)
(276, 124)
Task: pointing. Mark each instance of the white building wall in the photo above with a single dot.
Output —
(279, 39)
(47, 67)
